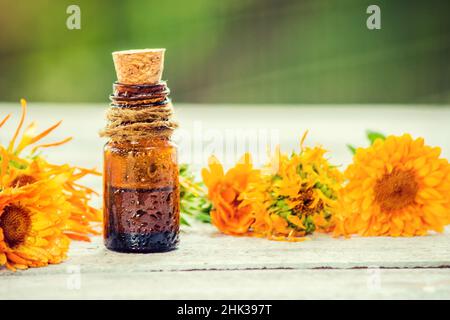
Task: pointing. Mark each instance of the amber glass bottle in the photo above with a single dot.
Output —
(141, 188)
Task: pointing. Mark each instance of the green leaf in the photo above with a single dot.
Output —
(281, 208)
(309, 224)
(373, 136)
(17, 165)
(203, 217)
(183, 221)
(276, 177)
(351, 148)
(325, 190)
(300, 171)
(193, 201)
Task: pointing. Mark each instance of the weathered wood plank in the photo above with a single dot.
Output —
(242, 284)
(203, 248)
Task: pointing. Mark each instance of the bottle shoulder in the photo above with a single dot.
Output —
(143, 144)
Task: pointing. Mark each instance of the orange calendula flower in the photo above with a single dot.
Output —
(396, 187)
(42, 205)
(32, 220)
(289, 198)
(79, 224)
(295, 196)
(224, 189)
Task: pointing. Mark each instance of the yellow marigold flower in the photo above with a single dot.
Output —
(397, 187)
(79, 224)
(35, 168)
(289, 198)
(296, 195)
(41, 204)
(224, 189)
(32, 219)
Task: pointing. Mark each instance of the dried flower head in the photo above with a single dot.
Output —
(296, 194)
(289, 198)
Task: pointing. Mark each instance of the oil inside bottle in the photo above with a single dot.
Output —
(142, 220)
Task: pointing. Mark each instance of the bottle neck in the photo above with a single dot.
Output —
(142, 96)
(140, 114)
(142, 142)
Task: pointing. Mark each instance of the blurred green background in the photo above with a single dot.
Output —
(231, 51)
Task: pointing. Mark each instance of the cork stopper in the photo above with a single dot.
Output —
(139, 66)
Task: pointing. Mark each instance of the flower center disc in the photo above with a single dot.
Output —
(22, 180)
(396, 190)
(16, 224)
(305, 199)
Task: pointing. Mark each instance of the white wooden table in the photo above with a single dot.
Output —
(213, 266)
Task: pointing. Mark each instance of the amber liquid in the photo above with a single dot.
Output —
(142, 220)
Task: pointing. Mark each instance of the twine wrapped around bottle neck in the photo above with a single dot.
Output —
(139, 112)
